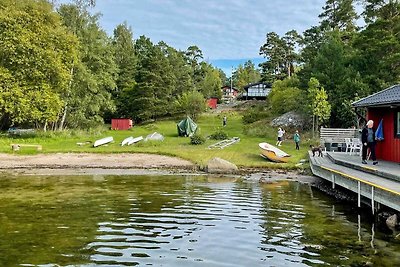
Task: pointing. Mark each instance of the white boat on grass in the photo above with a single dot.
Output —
(126, 141)
(103, 141)
(135, 140)
(154, 137)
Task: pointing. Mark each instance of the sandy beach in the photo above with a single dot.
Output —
(86, 160)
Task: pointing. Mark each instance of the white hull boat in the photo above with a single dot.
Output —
(103, 141)
(126, 141)
(135, 140)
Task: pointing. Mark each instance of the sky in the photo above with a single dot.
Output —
(229, 32)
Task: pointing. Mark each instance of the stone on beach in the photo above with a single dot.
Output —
(218, 165)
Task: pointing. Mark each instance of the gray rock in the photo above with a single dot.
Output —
(391, 222)
(218, 165)
(289, 119)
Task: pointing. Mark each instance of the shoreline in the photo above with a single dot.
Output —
(127, 164)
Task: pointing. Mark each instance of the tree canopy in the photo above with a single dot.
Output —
(59, 69)
(37, 53)
(348, 61)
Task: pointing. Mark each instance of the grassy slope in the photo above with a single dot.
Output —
(244, 154)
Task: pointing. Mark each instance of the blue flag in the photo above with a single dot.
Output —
(379, 131)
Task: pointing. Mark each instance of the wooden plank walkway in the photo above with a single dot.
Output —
(390, 170)
(364, 182)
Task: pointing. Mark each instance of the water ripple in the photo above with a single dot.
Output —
(233, 220)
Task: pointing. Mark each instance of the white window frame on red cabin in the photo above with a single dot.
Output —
(397, 124)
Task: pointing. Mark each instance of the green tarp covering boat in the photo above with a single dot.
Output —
(186, 127)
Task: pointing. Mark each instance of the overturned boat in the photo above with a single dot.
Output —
(126, 140)
(131, 140)
(103, 141)
(273, 153)
(135, 140)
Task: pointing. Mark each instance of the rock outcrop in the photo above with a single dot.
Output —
(290, 120)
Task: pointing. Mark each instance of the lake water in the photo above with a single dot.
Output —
(181, 221)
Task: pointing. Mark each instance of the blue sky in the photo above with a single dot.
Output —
(229, 32)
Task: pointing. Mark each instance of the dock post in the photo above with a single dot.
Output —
(359, 194)
(333, 181)
(372, 200)
(359, 228)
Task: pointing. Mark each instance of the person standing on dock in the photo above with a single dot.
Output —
(368, 141)
(296, 138)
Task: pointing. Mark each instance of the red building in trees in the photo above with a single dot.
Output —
(385, 106)
(212, 103)
(121, 124)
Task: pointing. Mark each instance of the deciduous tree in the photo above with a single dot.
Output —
(319, 105)
(94, 73)
(36, 55)
(192, 103)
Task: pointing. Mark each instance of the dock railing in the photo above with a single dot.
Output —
(334, 139)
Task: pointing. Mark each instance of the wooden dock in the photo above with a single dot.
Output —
(378, 184)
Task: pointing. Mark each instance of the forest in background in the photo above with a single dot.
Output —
(59, 69)
(335, 63)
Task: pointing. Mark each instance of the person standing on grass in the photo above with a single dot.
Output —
(224, 120)
(296, 138)
(368, 141)
(281, 132)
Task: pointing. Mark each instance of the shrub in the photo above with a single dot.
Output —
(259, 129)
(197, 139)
(219, 135)
(255, 114)
(192, 103)
(286, 96)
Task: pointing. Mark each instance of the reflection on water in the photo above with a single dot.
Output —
(180, 221)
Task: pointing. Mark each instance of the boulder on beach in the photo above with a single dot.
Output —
(392, 221)
(218, 165)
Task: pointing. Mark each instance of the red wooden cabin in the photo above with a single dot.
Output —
(212, 103)
(385, 105)
(121, 124)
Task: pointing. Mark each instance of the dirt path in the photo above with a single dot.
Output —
(75, 160)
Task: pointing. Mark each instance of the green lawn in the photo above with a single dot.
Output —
(244, 154)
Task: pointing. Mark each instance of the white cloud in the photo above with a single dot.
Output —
(222, 29)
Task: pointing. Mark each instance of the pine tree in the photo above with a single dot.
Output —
(339, 14)
(280, 55)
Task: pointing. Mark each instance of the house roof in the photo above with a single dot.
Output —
(387, 97)
(253, 84)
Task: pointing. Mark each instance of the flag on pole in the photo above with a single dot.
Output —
(379, 131)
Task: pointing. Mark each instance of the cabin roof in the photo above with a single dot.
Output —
(253, 84)
(387, 97)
